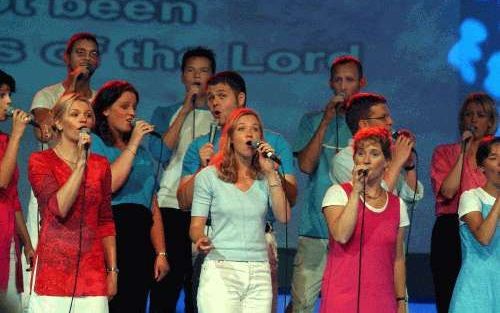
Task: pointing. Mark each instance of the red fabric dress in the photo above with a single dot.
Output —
(9, 205)
(58, 246)
(340, 280)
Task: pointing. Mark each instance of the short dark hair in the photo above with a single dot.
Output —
(345, 59)
(230, 78)
(7, 80)
(484, 148)
(106, 96)
(359, 107)
(200, 52)
(488, 105)
(379, 135)
(80, 36)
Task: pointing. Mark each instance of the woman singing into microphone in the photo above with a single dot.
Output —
(365, 270)
(139, 228)
(478, 284)
(453, 171)
(235, 192)
(12, 226)
(76, 251)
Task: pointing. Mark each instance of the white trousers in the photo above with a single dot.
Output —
(61, 304)
(229, 286)
(48, 304)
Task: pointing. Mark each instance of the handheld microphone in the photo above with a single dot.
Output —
(193, 98)
(363, 172)
(85, 130)
(90, 71)
(472, 130)
(270, 155)
(9, 112)
(340, 104)
(405, 133)
(134, 121)
(213, 132)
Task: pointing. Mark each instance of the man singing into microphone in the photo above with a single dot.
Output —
(371, 110)
(82, 59)
(321, 135)
(180, 124)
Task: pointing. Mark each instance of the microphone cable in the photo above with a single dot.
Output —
(281, 174)
(80, 233)
(362, 230)
(413, 205)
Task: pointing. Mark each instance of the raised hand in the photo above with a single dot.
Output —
(141, 128)
(19, 121)
(206, 152)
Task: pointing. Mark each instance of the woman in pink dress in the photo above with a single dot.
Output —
(366, 264)
(75, 268)
(11, 215)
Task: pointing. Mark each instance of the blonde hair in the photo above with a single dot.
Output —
(488, 105)
(63, 105)
(225, 160)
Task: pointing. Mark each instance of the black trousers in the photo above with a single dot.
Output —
(135, 258)
(446, 259)
(164, 294)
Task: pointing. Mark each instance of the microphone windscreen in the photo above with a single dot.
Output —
(85, 130)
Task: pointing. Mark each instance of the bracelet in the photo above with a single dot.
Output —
(402, 299)
(409, 168)
(130, 150)
(163, 253)
(113, 269)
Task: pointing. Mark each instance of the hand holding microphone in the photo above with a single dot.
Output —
(266, 151)
(336, 103)
(467, 135)
(191, 95)
(19, 116)
(359, 175)
(403, 148)
(207, 150)
(140, 128)
(84, 71)
(84, 144)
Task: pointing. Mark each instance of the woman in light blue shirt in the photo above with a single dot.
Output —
(235, 191)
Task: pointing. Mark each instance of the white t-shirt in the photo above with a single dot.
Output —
(47, 97)
(167, 195)
(336, 195)
(472, 200)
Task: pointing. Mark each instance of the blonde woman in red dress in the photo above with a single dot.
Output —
(76, 254)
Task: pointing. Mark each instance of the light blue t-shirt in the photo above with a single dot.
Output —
(312, 223)
(138, 188)
(238, 218)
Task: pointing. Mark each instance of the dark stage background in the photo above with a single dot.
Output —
(424, 56)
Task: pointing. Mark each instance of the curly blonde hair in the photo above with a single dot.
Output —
(225, 160)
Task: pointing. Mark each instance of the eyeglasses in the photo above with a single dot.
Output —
(384, 117)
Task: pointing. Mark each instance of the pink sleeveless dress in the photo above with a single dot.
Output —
(340, 280)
